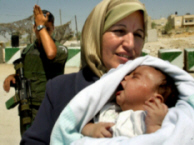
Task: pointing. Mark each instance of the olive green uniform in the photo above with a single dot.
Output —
(39, 69)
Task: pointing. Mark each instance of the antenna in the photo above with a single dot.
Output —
(60, 16)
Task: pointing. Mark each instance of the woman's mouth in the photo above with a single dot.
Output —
(125, 56)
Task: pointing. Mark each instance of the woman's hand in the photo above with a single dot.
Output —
(7, 82)
(97, 130)
(156, 111)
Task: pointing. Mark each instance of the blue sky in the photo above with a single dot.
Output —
(13, 10)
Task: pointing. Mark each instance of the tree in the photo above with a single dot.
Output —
(168, 27)
(153, 25)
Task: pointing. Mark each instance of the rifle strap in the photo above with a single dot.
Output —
(26, 106)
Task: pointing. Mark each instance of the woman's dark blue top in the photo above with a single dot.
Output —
(59, 91)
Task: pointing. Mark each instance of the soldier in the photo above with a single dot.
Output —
(42, 60)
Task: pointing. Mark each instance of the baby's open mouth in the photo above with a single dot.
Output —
(119, 89)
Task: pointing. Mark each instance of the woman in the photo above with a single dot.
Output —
(113, 33)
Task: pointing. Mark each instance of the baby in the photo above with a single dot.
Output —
(141, 105)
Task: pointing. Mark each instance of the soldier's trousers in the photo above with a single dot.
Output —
(23, 127)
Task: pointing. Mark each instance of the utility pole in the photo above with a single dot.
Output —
(76, 27)
(60, 16)
(31, 30)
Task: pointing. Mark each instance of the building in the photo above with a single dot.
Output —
(181, 21)
(188, 20)
(159, 23)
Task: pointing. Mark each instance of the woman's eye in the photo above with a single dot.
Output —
(119, 31)
(138, 35)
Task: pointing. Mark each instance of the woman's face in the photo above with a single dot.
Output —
(123, 41)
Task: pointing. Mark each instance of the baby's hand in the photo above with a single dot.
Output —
(97, 130)
(156, 111)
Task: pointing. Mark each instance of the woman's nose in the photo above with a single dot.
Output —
(129, 42)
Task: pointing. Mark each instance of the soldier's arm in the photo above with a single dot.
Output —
(47, 42)
(62, 53)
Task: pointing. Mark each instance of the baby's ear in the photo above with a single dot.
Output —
(159, 97)
(156, 97)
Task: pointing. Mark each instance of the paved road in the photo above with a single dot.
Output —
(9, 120)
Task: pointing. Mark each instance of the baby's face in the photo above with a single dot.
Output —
(137, 87)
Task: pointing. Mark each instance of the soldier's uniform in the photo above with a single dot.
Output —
(39, 69)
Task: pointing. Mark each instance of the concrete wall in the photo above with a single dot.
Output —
(1, 55)
(10, 54)
(178, 21)
(2, 46)
(183, 59)
(174, 56)
(152, 35)
(73, 59)
(189, 59)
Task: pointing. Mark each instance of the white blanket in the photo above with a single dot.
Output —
(177, 127)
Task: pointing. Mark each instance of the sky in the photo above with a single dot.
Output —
(14, 10)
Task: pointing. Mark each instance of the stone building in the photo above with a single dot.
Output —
(181, 21)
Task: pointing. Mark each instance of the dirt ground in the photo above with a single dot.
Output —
(9, 120)
(179, 41)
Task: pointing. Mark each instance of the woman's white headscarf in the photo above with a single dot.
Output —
(103, 16)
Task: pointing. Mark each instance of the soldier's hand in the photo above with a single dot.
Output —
(8, 80)
(39, 17)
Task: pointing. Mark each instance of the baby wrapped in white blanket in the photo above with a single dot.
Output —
(178, 121)
(126, 123)
(145, 88)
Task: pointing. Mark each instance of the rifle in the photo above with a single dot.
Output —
(22, 95)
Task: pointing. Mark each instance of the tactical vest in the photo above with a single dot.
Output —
(39, 69)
